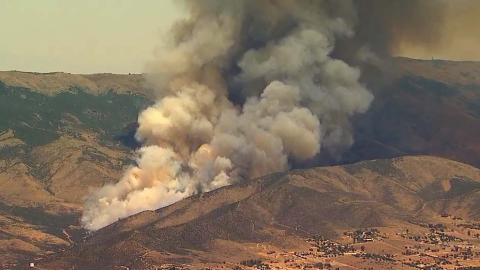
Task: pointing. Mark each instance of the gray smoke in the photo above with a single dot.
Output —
(245, 87)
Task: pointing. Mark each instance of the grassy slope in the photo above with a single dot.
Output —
(38, 119)
(279, 208)
(52, 148)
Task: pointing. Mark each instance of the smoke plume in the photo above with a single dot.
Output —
(455, 36)
(246, 87)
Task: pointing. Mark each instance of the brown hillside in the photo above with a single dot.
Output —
(53, 148)
(279, 208)
(55, 144)
(56, 82)
(432, 108)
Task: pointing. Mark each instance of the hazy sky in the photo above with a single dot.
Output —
(118, 36)
(86, 36)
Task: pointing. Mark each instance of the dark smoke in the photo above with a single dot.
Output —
(250, 87)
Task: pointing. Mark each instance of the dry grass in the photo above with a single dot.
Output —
(54, 83)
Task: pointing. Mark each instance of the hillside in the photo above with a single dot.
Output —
(58, 82)
(54, 146)
(278, 210)
(61, 134)
(430, 108)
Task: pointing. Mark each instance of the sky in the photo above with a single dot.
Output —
(87, 36)
(118, 36)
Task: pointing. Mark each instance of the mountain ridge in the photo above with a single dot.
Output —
(282, 207)
(54, 143)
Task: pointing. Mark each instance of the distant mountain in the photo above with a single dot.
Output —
(58, 82)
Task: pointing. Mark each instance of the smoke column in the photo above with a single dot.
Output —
(244, 88)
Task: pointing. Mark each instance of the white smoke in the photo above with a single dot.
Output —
(297, 99)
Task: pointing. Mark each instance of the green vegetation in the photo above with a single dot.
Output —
(419, 85)
(49, 223)
(39, 119)
(461, 186)
(384, 167)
